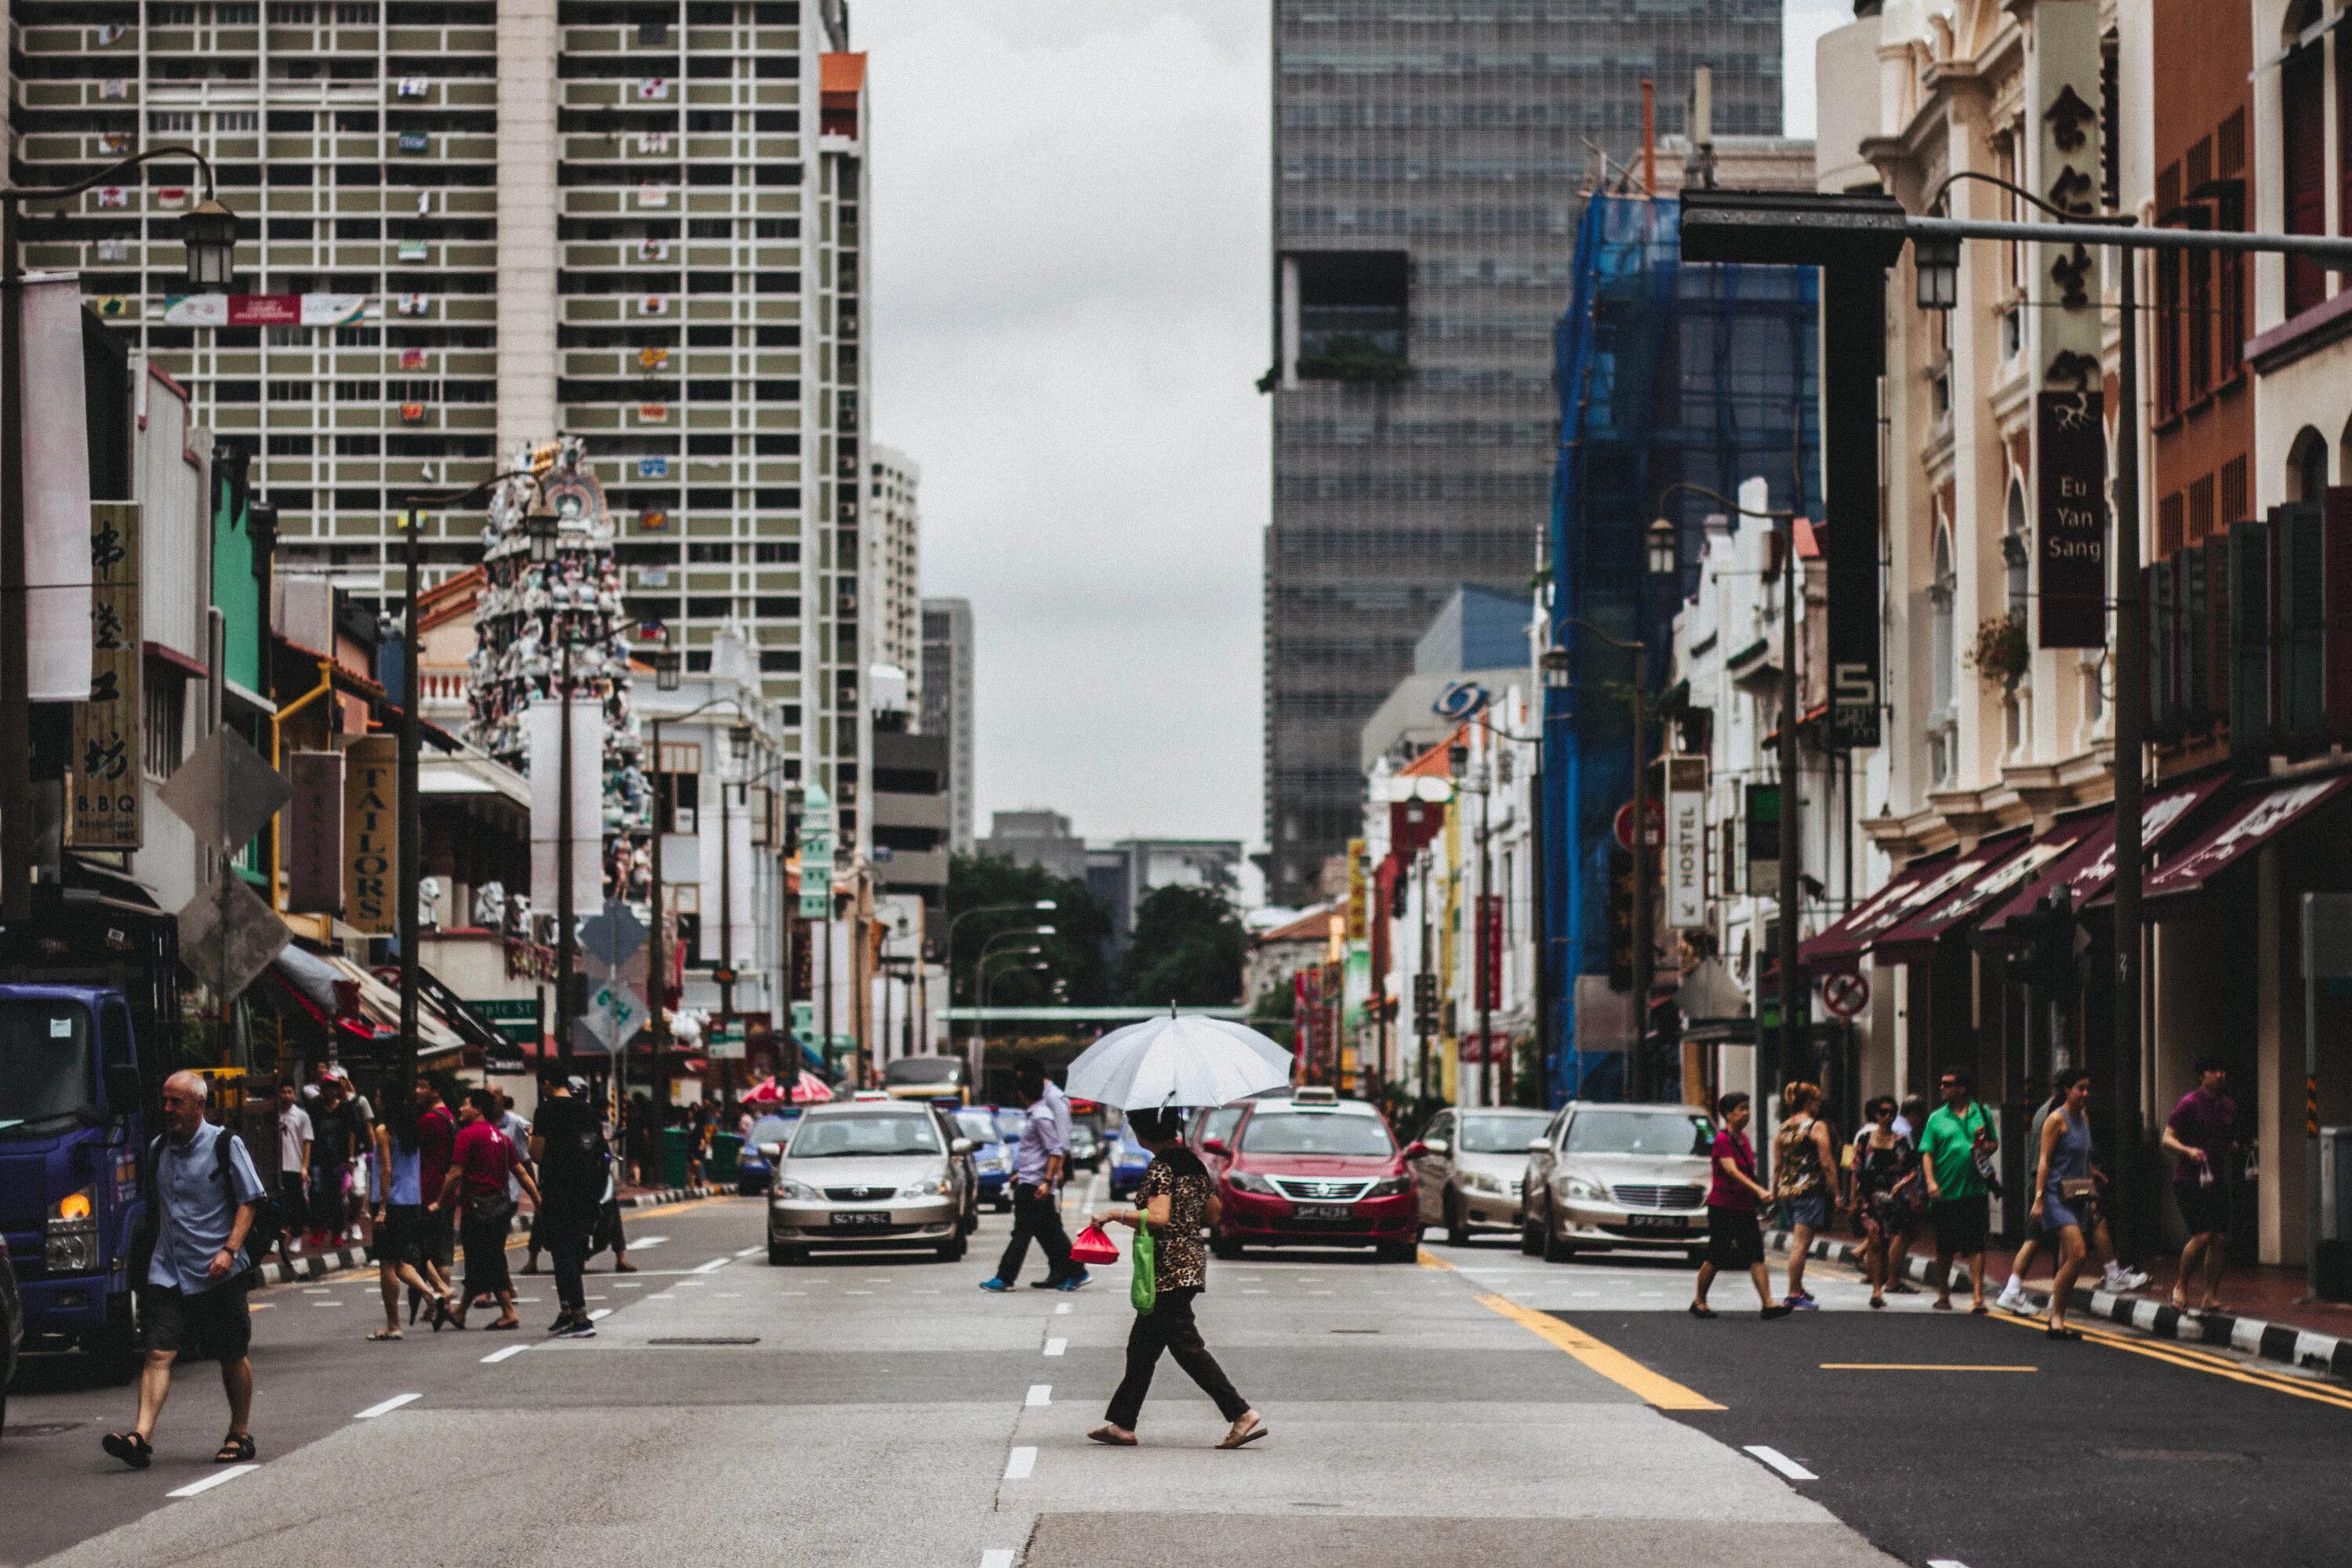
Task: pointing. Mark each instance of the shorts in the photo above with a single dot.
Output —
(2204, 1210)
(211, 1325)
(1812, 1211)
(1962, 1224)
(1733, 1238)
(401, 1237)
(440, 1240)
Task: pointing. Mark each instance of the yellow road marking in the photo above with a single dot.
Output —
(1611, 1363)
(1919, 1366)
(2162, 1351)
(1429, 1259)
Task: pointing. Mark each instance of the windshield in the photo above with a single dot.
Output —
(770, 1129)
(840, 1137)
(923, 1069)
(1499, 1134)
(976, 1125)
(1639, 1133)
(45, 1062)
(1010, 1122)
(1219, 1124)
(1313, 1132)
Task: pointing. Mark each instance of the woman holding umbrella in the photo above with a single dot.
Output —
(1152, 1070)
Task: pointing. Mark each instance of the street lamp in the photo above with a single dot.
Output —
(1936, 259)
(210, 233)
(738, 743)
(545, 530)
(1662, 549)
(667, 663)
(1042, 905)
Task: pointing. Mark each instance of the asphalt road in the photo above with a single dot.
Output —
(1483, 1407)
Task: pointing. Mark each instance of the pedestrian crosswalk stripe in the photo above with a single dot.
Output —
(388, 1407)
(600, 1314)
(714, 1263)
(1017, 1467)
(1061, 1309)
(996, 1557)
(1057, 1346)
(1946, 1563)
(746, 1252)
(1040, 1394)
(496, 1356)
(639, 1243)
(1611, 1363)
(230, 1474)
(1782, 1463)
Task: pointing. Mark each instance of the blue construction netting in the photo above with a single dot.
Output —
(1665, 373)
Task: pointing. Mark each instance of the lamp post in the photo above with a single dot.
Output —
(209, 232)
(665, 663)
(1041, 906)
(980, 988)
(545, 533)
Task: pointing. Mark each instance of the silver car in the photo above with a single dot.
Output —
(1469, 1168)
(869, 1174)
(1620, 1177)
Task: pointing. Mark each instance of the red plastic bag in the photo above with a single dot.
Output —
(1092, 1246)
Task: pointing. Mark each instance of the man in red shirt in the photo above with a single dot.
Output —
(436, 1135)
(480, 1162)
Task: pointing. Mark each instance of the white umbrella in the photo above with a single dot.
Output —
(1178, 1061)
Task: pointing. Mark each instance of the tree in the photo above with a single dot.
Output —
(1075, 951)
(1186, 948)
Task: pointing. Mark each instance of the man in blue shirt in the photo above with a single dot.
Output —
(201, 1202)
(1037, 1178)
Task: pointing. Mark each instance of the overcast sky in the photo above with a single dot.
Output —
(1070, 262)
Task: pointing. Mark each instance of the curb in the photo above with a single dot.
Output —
(2306, 1348)
(310, 1265)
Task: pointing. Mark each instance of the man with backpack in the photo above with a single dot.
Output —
(203, 1195)
(567, 1143)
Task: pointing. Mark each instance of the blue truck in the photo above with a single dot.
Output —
(89, 1031)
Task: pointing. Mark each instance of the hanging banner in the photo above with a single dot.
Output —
(314, 834)
(1685, 842)
(2071, 518)
(1853, 353)
(816, 854)
(371, 834)
(1359, 892)
(543, 751)
(264, 310)
(107, 729)
(1489, 954)
(55, 427)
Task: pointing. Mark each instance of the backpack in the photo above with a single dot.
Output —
(582, 1158)
(260, 1236)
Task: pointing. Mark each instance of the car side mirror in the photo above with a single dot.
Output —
(1215, 1146)
(121, 1088)
(1429, 1146)
(961, 1146)
(1538, 1145)
(772, 1151)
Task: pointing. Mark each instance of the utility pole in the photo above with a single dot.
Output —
(656, 973)
(2131, 721)
(412, 816)
(1644, 940)
(565, 957)
(1792, 985)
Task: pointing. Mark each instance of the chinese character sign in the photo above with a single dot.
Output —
(107, 727)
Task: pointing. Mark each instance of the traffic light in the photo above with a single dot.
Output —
(2046, 939)
(1424, 1003)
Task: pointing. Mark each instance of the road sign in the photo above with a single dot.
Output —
(612, 936)
(256, 936)
(1656, 837)
(1845, 995)
(725, 1044)
(225, 792)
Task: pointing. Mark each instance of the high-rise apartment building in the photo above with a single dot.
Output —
(470, 226)
(947, 707)
(894, 564)
(1430, 164)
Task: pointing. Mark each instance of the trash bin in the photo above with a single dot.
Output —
(725, 1147)
(673, 1148)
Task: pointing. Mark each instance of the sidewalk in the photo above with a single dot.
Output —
(275, 1270)
(2268, 1319)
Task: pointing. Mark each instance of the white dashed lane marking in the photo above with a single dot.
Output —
(496, 1356)
(230, 1474)
(1022, 1462)
(1057, 1346)
(1782, 1463)
(389, 1405)
(1040, 1394)
(600, 1314)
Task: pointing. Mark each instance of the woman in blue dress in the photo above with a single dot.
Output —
(2064, 1189)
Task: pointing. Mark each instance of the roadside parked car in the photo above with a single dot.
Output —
(927, 1077)
(1085, 1148)
(1469, 1171)
(1129, 1160)
(757, 1162)
(869, 1174)
(992, 1156)
(1314, 1169)
(1621, 1177)
(1214, 1123)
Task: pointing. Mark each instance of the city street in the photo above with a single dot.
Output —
(1483, 1408)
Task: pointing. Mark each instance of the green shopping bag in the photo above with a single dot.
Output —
(1143, 1285)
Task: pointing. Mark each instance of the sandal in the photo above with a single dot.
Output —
(501, 1325)
(1241, 1437)
(1876, 1302)
(383, 1335)
(1979, 1310)
(235, 1449)
(2063, 1332)
(1698, 1309)
(1109, 1435)
(130, 1448)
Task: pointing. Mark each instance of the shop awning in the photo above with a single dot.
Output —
(1839, 949)
(2086, 865)
(1961, 893)
(2249, 824)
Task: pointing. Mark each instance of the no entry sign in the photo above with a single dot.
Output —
(1845, 995)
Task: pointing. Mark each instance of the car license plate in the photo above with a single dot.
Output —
(1324, 1211)
(860, 1219)
(1671, 1224)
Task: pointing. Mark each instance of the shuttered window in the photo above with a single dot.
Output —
(2303, 178)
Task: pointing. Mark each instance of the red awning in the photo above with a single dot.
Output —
(2087, 868)
(1839, 949)
(2246, 827)
(1965, 889)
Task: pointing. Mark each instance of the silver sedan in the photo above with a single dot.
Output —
(869, 1175)
(1469, 1169)
(1620, 1177)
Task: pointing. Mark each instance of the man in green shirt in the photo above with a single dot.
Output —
(1958, 1136)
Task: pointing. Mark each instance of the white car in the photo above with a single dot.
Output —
(876, 1175)
(1620, 1177)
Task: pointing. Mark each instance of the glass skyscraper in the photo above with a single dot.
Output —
(1432, 158)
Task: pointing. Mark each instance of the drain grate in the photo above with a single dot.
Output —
(1355, 1331)
(709, 1339)
(2191, 1456)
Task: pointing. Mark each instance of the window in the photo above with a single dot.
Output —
(2167, 525)
(775, 553)
(2200, 510)
(2237, 503)
(710, 553)
(2168, 322)
(1943, 646)
(2303, 153)
(165, 718)
(678, 787)
(2017, 554)
(2229, 212)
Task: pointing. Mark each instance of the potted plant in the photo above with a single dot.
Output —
(2002, 653)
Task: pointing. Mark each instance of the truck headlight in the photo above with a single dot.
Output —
(69, 1235)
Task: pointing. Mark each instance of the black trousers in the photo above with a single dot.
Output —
(486, 1256)
(562, 1225)
(1168, 1326)
(1036, 1213)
